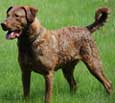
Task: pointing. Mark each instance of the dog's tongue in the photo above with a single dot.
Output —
(12, 35)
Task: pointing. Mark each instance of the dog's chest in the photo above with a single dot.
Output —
(45, 52)
(28, 58)
(40, 55)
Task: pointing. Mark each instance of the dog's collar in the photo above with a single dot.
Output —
(37, 35)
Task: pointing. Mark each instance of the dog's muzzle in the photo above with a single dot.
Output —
(11, 34)
(4, 27)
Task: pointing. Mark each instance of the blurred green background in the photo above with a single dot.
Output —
(55, 14)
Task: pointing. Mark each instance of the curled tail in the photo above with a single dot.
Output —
(101, 16)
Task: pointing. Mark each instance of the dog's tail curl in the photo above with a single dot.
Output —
(101, 16)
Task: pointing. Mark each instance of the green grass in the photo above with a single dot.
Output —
(56, 14)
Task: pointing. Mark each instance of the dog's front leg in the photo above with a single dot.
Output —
(49, 87)
(26, 83)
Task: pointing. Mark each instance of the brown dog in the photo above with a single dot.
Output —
(45, 51)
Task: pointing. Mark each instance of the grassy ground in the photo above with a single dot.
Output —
(56, 14)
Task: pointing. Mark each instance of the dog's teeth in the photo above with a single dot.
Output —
(17, 34)
(12, 34)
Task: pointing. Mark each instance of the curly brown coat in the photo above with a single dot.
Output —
(45, 51)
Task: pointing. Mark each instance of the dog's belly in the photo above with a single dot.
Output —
(49, 60)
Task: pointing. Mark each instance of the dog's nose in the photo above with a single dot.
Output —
(4, 27)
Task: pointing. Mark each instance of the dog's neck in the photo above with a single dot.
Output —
(29, 35)
(34, 28)
(32, 31)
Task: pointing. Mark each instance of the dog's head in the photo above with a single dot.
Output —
(18, 18)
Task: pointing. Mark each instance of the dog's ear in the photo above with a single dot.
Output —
(30, 13)
(9, 9)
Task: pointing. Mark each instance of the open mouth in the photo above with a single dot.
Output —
(13, 34)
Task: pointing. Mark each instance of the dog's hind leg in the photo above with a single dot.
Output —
(93, 63)
(68, 70)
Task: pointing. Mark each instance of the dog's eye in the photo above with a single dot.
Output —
(16, 15)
